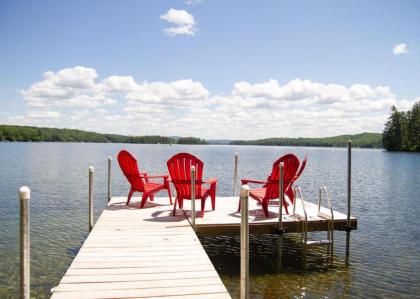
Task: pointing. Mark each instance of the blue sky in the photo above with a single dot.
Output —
(260, 68)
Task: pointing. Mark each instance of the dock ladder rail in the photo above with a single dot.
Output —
(305, 242)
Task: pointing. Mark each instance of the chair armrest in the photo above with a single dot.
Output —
(246, 181)
(210, 181)
(155, 176)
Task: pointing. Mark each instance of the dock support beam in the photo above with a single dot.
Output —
(244, 289)
(235, 175)
(91, 170)
(280, 223)
(193, 196)
(109, 177)
(348, 227)
(24, 196)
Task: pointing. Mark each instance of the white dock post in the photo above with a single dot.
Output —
(109, 177)
(235, 175)
(91, 170)
(244, 288)
(193, 196)
(348, 227)
(25, 286)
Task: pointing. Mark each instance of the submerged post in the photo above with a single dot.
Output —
(91, 170)
(193, 196)
(109, 177)
(24, 196)
(244, 289)
(348, 227)
(235, 175)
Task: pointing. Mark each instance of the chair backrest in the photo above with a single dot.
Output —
(179, 167)
(130, 169)
(291, 165)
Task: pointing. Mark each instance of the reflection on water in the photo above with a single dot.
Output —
(385, 249)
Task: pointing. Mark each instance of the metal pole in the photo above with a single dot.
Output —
(348, 228)
(281, 195)
(280, 224)
(109, 177)
(91, 170)
(24, 196)
(193, 196)
(244, 289)
(235, 175)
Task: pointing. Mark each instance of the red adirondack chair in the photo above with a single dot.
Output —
(179, 167)
(139, 181)
(270, 189)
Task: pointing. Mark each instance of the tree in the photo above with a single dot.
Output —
(394, 133)
(413, 127)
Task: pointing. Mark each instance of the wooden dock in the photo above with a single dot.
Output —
(147, 253)
(141, 253)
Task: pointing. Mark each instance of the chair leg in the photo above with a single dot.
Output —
(144, 199)
(152, 197)
(167, 187)
(130, 194)
(213, 196)
(264, 205)
(174, 210)
(203, 206)
(285, 207)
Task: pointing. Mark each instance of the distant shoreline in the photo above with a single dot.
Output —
(10, 133)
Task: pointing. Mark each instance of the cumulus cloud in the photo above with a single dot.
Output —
(70, 87)
(184, 23)
(400, 49)
(76, 98)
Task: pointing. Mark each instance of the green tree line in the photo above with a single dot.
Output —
(364, 140)
(35, 134)
(402, 130)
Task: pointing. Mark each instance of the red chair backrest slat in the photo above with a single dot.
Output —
(130, 169)
(179, 167)
(291, 165)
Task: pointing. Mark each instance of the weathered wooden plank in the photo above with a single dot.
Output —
(138, 277)
(191, 267)
(125, 285)
(143, 264)
(144, 293)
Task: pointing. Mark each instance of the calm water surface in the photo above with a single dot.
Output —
(385, 250)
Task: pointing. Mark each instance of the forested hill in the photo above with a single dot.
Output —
(34, 134)
(365, 140)
(26, 133)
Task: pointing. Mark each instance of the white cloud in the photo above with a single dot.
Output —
(75, 98)
(400, 49)
(177, 93)
(183, 21)
(70, 87)
(191, 2)
(43, 114)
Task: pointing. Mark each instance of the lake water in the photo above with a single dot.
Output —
(385, 250)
